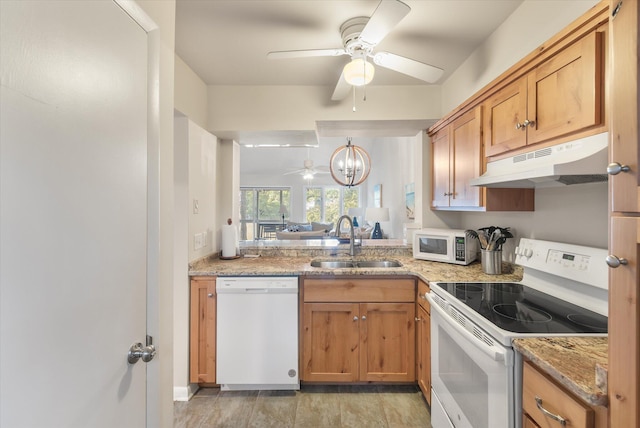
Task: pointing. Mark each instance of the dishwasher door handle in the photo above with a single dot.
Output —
(256, 290)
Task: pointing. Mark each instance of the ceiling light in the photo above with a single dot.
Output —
(358, 72)
(350, 165)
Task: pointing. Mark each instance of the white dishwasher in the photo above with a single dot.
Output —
(257, 333)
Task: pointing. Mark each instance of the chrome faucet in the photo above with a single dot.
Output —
(352, 250)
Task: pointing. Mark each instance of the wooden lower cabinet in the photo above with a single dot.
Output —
(202, 328)
(423, 341)
(539, 392)
(346, 340)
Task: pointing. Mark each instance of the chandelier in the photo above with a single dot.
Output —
(350, 165)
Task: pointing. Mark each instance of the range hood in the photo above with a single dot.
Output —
(579, 161)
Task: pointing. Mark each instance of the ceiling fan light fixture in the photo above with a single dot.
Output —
(358, 72)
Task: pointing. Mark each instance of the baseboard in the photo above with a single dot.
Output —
(184, 393)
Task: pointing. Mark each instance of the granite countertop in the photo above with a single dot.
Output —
(573, 362)
(294, 259)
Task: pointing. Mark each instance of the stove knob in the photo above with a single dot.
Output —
(518, 251)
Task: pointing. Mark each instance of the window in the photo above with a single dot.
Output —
(260, 214)
(327, 204)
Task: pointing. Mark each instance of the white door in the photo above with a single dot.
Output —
(73, 214)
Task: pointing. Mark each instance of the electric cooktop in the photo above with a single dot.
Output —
(520, 309)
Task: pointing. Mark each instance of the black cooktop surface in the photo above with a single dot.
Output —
(521, 309)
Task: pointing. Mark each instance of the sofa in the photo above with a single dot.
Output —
(313, 230)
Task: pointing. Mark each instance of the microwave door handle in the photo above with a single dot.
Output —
(496, 352)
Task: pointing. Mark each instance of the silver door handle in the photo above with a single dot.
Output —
(137, 351)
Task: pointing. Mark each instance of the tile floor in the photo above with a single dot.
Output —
(358, 406)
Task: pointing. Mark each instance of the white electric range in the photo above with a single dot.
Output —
(476, 375)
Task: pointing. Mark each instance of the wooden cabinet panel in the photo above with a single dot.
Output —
(423, 335)
(527, 422)
(565, 93)
(554, 399)
(624, 322)
(503, 111)
(359, 290)
(202, 328)
(331, 340)
(440, 169)
(466, 134)
(387, 337)
(346, 340)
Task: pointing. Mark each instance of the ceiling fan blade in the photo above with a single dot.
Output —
(342, 89)
(386, 16)
(306, 53)
(407, 66)
(297, 171)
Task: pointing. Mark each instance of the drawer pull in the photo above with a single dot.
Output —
(548, 414)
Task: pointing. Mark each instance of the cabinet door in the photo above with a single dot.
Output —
(387, 338)
(503, 112)
(440, 169)
(330, 342)
(565, 93)
(466, 133)
(528, 422)
(202, 346)
(423, 326)
(624, 323)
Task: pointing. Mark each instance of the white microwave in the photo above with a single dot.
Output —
(445, 245)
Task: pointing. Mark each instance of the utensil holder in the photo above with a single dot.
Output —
(491, 261)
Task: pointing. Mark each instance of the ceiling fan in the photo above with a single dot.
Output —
(359, 37)
(308, 171)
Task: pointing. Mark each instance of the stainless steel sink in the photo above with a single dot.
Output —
(341, 264)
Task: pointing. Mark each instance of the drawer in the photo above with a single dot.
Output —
(423, 289)
(359, 290)
(554, 399)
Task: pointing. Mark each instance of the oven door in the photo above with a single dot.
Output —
(472, 378)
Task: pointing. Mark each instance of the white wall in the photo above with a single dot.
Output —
(251, 108)
(191, 93)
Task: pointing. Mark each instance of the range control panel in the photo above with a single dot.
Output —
(576, 262)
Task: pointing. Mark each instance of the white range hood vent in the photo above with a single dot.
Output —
(576, 162)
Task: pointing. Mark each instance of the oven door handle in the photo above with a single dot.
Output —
(496, 352)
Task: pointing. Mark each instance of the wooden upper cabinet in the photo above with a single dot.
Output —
(565, 92)
(456, 160)
(466, 161)
(503, 112)
(561, 97)
(440, 171)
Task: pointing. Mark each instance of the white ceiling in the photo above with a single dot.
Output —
(226, 41)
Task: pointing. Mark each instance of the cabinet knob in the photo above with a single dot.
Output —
(614, 261)
(355, 318)
(210, 295)
(417, 319)
(615, 168)
(447, 194)
(520, 126)
(364, 318)
(528, 122)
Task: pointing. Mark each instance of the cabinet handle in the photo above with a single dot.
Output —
(447, 194)
(364, 318)
(614, 261)
(528, 122)
(615, 168)
(210, 295)
(355, 318)
(548, 414)
(520, 126)
(417, 319)
(422, 296)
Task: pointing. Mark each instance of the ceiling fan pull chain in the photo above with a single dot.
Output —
(354, 98)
